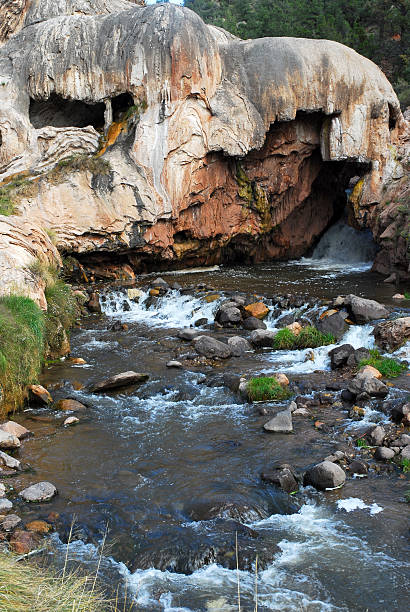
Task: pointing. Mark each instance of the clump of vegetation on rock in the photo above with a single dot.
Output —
(11, 192)
(266, 388)
(309, 337)
(386, 365)
(77, 163)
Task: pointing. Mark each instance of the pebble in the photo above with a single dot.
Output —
(72, 420)
(39, 492)
(174, 364)
(5, 505)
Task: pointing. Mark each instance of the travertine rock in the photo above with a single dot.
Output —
(215, 145)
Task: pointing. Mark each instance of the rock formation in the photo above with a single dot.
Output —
(149, 138)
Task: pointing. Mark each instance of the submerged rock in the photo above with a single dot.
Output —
(211, 348)
(119, 381)
(70, 404)
(280, 423)
(325, 475)
(23, 542)
(39, 492)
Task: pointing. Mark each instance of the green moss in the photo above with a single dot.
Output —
(12, 192)
(391, 368)
(309, 337)
(244, 183)
(266, 388)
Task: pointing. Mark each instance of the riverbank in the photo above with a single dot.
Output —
(190, 453)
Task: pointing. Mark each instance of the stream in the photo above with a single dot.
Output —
(173, 466)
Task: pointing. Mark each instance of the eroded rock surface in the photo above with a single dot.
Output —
(165, 170)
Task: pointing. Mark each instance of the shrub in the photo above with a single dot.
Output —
(266, 388)
(21, 346)
(386, 365)
(309, 337)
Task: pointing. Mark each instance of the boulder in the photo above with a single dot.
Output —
(262, 338)
(40, 527)
(134, 294)
(5, 505)
(363, 311)
(283, 380)
(9, 462)
(376, 435)
(23, 542)
(340, 355)
(93, 303)
(119, 381)
(383, 453)
(174, 364)
(404, 440)
(238, 345)
(333, 324)
(70, 404)
(39, 395)
(211, 348)
(72, 420)
(358, 467)
(8, 440)
(400, 413)
(295, 328)
(280, 423)
(405, 453)
(229, 315)
(283, 477)
(391, 335)
(39, 492)
(188, 334)
(365, 382)
(10, 522)
(325, 475)
(252, 323)
(159, 282)
(200, 322)
(357, 356)
(371, 371)
(258, 310)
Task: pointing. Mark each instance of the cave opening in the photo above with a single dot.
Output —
(59, 112)
(120, 105)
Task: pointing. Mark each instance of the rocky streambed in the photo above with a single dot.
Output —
(180, 463)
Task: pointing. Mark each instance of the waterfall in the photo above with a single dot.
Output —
(344, 245)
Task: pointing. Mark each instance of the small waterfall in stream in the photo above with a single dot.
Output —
(345, 246)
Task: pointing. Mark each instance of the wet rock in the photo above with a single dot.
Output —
(201, 322)
(347, 396)
(398, 413)
(5, 505)
(238, 346)
(295, 328)
(2, 490)
(8, 441)
(333, 324)
(304, 412)
(357, 356)
(229, 316)
(160, 282)
(283, 477)
(404, 440)
(358, 467)
(93, 303)
(231, 381)
(134, 294)
(365, 382)
(23, 542)
(76, 361)
(40, 527)
(9, 462)
(383, 454)
(72, 420)
(237, 511)
(117, 327)
(39, 492)
(211, 348)
(280, 423)
(405, 453)
(188, 334)
(70, 404)
(176, 286)
(174, 364)
(258, 310)
(340, 355)
(325, 475)
(283, 380)
(376, 435)
(119, 381)
(252, 323)
(363, 311)
(39, 395)
(262, 337)
(391, 335)
(10, 522)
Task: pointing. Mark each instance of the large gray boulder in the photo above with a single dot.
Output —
(8, 440)
(188, 334)
(40, 492)
(333, 324)
(262, 337)
(238, 345)
(390, 335)
(376, 435)
(363, 310)
(9, 462)
(252, 323)
(211, 348)
(229, 315)
(119, 381)
(340, 355)
(325, 475)
(280, 423)
(366, 383)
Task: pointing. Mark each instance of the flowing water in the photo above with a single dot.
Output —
(174, 465)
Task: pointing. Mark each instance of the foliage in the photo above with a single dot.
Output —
(21, 346)
(266, 388)
(11, 192)
(407, 295)
(378, 29)
(77, 163)
(361, 443)
(309, 337)
(387, 366)
(25, 586)
(405, 464)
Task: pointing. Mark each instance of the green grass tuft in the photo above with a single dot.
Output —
(309, 337)
(405, 464)
(266, 388)
(407, 295)
(387, 366)
(362, 443)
